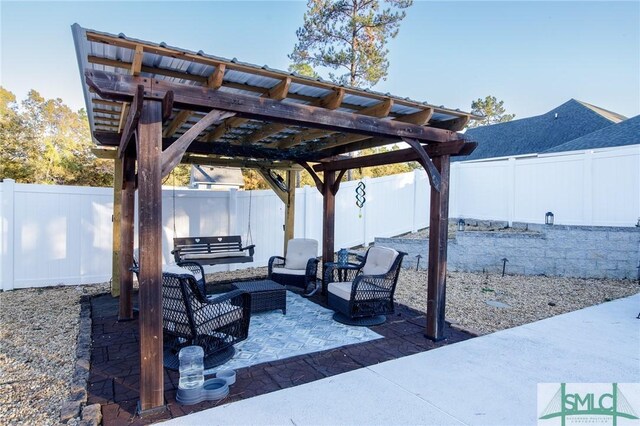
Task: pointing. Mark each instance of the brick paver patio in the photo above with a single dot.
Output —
(115, 365)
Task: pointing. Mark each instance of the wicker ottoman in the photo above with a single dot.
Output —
(266, 295)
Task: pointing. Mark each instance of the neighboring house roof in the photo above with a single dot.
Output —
(613, 116)
(216, 175)
(534, 135)
(624, 133)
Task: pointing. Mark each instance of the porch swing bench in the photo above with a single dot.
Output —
(212, 250)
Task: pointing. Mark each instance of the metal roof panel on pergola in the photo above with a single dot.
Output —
(152, 106)
(116, 54)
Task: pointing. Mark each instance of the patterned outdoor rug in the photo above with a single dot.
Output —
(307, 327)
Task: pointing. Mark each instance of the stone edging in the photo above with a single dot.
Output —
(91, 415)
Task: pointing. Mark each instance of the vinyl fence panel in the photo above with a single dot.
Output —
(63, 235)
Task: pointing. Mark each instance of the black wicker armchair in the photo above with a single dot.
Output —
(189, 318)
(299, 268)
(198, 273)
(364, 295)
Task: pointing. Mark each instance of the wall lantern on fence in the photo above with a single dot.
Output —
(548, 218)
(461, 225)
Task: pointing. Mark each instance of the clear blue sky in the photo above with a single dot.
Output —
(533, 55)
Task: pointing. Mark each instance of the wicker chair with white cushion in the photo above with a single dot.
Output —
(189, 318)
(187, 266)
(369, 297)
(299, 267)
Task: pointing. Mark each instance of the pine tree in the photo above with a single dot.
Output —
(349, 35)
(491, 110)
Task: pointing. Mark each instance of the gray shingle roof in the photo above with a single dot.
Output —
(533, 135)
(216, 175)
(624, 133)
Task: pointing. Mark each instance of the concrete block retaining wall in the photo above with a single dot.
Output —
(558, 250)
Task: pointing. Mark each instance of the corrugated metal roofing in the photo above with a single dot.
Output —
(188, 67)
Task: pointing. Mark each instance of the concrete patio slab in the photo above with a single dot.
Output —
(487, 380)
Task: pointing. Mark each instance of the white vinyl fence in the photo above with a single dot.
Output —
(598, 188)
(63, 235)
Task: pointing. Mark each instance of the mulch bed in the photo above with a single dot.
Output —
(114, 377)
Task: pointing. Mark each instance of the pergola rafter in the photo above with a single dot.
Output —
(379, 110)
(330, 102)
(192, 107)
(277, 93)
(122, 87)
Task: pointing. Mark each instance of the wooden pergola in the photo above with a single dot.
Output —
(152, 106)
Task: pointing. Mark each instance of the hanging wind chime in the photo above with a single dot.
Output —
(360, 195)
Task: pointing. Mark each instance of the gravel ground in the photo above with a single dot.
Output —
(38, 327)
(530, 298)
(38, 332)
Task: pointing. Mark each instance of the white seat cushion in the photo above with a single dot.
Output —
(220, 255)
(231, 313)
(342, 290)
(287, 271)
(172, 268)
(299, 251)
(379, 260)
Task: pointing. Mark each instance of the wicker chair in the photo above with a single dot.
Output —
(365, 296)
(195, 268)
(189, 318)
(299, 267)
(198, 273)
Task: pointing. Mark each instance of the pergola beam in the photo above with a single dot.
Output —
(419, 118)
(132, 121)
(214, 81)
(121, 87)
(314, 176)
(212, 160)
(330, 102)
(172, 155)
(110, 139)
(455, 124)
(379, 110)
(393, 157)
(273, 184)
(239, 163)
(425, 161)
(278, 93)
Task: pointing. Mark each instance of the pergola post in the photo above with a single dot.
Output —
(150, 243)
(328, 220)
(437, 269)
(117, 213)
(125, 258)
(290, 208)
